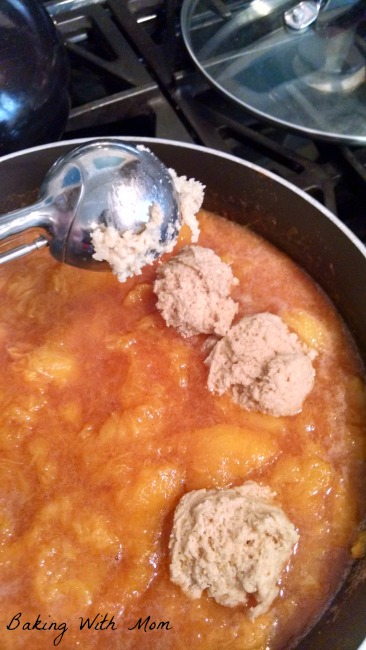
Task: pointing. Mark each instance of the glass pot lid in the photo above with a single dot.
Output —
(301, 65)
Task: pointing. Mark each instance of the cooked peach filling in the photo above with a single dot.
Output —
(107, 421)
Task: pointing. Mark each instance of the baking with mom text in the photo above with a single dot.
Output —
(99, 623)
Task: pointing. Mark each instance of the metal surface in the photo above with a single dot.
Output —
(120, 74)
(100, 183)
(24, 249)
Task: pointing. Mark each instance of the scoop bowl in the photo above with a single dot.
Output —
(100, 183)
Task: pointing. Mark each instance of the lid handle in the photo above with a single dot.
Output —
(303, 14)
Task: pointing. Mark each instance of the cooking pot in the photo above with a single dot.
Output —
(34, 75)
(295, 223)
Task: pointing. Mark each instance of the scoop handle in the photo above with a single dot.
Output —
(16, 222)
(25, 249)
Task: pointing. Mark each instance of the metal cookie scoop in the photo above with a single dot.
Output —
(101, 183)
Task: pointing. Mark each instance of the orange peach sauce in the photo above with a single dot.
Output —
(106, 422)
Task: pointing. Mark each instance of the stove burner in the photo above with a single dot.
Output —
(121, 72)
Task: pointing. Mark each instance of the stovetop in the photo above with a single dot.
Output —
(131, 75)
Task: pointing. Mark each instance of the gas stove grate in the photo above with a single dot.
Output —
(131, 75)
